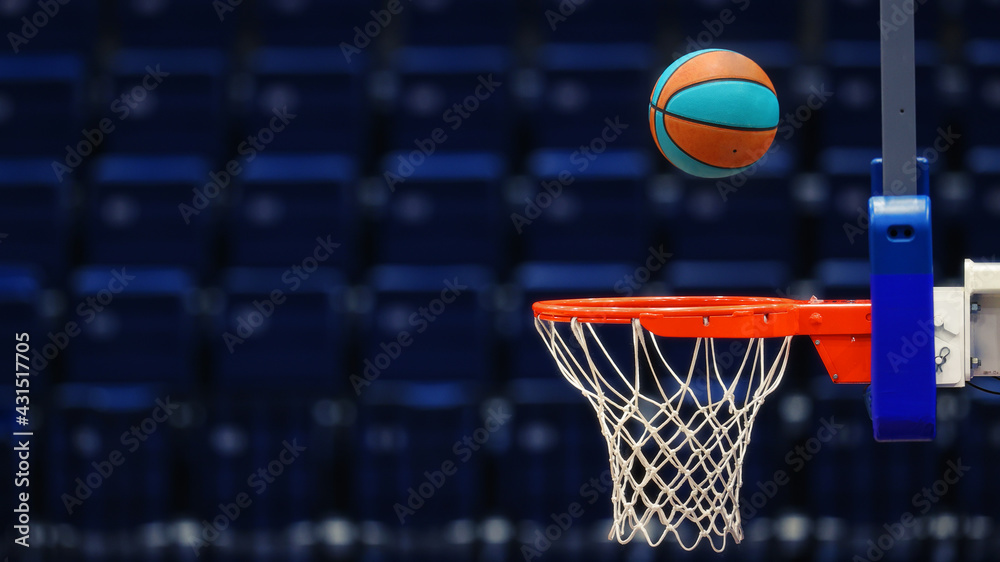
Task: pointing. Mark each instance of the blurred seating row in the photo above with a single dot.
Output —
(52, 24)
(303, 326)
(525, 454)
(464, 207)
(178, 100)
(785, 538)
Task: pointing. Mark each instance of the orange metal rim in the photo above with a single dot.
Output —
(840, 330)
(718, 316)
(614, 310)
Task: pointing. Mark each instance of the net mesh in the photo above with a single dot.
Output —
(676, 438)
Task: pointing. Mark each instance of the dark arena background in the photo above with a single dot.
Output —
(271, 263)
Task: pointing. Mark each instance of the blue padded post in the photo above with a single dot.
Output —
(903, 390)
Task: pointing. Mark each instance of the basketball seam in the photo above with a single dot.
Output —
(691, 156)
(689, 86)
(710, 124)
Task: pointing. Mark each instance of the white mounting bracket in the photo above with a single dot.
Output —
(982, 319)
(967, 326)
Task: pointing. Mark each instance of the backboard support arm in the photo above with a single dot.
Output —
(903, 381)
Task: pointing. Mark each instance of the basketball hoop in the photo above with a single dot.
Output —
(677, 436)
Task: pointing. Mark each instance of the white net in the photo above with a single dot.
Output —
(676, 437)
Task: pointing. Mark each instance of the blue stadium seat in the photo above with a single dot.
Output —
(144, 210)
(48, 27)
(543, 280)
(428, 323)
(283, 202)
(444, 210)
(281, 328)
(90, 428)
(44, 96)
(134, 325)
(580, 210)
(630, 21)
(36, 215)
(737, 278)
(454, 22)
(705, 21)
(152, 23)
(853, 116)
(844, 278)
(982, 115)
(586, 88)
(463, 91)
(20, 308)
(555, 455)
(167, 101)
(248, 432)
(725, 219)
(406, 431)
(293, 23)
(546, 281)
(323, 92)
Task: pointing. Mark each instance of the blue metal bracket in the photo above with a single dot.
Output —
(904, 385)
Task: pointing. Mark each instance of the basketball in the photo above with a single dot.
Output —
(713, 113)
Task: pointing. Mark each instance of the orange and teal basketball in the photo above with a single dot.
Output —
(713, 113)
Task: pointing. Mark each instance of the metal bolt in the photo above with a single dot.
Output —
(816, 342)
(976, 362)
(976, 307)
(835, 376)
